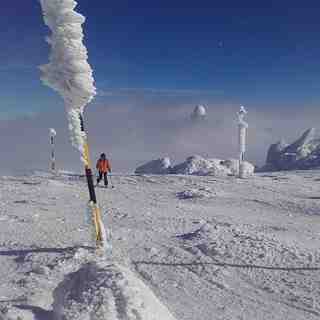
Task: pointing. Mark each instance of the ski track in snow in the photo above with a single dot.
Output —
(207, 248)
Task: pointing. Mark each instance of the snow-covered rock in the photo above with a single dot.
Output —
(159, 166)
(196, 165)
(233, 164)
(304, 153)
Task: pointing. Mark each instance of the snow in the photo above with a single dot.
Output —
(184, 247)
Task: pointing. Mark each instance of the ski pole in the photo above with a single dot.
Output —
(112, 186)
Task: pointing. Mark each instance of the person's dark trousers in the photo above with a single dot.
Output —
(105, 177)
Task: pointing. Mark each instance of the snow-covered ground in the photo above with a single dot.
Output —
(184, 247)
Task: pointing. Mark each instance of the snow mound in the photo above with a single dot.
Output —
(197, 165)
(106, 291)
(159, 166)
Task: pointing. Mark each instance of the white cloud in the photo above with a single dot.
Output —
(137, 132)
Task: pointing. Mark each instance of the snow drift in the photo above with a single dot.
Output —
(68, 71)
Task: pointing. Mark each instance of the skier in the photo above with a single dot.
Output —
(103, 166)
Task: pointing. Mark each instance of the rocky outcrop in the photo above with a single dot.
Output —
(304, 153)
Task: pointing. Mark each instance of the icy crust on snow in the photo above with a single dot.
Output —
(68, 71)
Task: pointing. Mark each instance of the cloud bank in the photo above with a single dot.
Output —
(139, 129)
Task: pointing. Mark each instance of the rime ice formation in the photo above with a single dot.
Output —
(68, 71)
(52, 132)
(196, 165)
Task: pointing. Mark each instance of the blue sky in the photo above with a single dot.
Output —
(153, 62)
(247, 52)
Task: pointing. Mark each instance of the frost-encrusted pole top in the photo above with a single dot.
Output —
(241, 114)
(52, 132)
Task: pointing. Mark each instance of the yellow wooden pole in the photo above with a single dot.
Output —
(96, 213)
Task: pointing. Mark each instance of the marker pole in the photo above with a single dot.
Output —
(242, 126)
(52, 134)
(100, 236)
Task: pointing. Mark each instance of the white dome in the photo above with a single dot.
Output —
(199, 112)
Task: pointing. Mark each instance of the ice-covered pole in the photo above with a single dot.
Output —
(243, 126)
(52, 135)
(69, 73)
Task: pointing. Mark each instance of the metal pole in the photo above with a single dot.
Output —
(52, 134)
(243, 126)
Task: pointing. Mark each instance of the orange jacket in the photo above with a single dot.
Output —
(103, 165)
